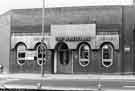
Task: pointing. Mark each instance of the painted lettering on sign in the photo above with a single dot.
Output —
(73, 38)
(107, 33)
(107, 38)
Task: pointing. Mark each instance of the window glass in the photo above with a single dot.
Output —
(84, 53)
(21, 55)
(63, 54)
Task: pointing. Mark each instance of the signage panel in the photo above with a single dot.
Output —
(73, 38)
(30, 55)
(71, 30)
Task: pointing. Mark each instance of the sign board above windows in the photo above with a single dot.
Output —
(73, 38)
(73, 30)
(30, 55)
(107, 33)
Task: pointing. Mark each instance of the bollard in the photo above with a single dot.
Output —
(1, 68)
(99, 88)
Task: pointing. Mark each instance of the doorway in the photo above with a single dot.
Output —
(63, 58)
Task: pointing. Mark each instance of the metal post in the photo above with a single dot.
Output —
(42, 40)
(99, 88)
(122, 39)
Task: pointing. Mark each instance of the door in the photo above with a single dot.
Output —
(64, 58)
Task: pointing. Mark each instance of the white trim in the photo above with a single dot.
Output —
(109, 60)
(55, 61)
(19, 62)
(72, 53)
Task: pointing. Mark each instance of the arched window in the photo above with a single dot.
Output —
(63, 54)
(107, 55)
(41, 53)
(84, 55)
(21, 54)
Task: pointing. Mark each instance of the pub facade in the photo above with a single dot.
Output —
(70, 48)
(77, 40)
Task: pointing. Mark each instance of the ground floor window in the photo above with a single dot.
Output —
(41, 53)
(84, 54)
(21, 53)
(107, 55)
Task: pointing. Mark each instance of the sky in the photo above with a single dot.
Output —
(6, 5)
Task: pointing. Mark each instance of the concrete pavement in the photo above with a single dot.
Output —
(71, 84)
(68, 82)
(68, 76)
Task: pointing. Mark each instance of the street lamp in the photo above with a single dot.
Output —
(42, 40)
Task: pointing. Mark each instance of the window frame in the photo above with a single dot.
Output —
(84, 60)
(108, 60)
(37, 53)
(18, 61)
(23, 50)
